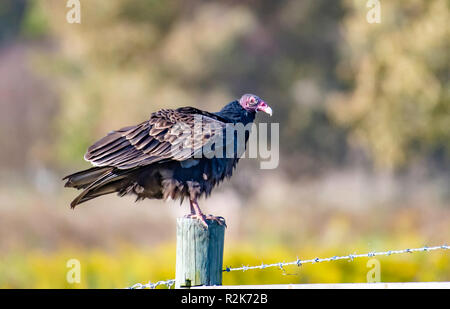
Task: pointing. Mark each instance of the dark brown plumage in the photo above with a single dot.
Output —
(170, 155)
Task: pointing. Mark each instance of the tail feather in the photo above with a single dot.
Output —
(83, 179)
(89, 194)
(97, 181)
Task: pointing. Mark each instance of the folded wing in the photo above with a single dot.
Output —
(167, 135)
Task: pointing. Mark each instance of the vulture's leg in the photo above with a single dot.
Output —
(196, 213)
(192, 208)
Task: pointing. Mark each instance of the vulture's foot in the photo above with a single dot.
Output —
(196, 213)
(202, 218)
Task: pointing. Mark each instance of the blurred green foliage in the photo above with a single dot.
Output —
(11, 18)
(398, 71)
(34, 24)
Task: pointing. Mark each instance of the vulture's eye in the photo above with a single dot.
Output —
(252, 101)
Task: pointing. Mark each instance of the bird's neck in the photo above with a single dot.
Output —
(234, 113)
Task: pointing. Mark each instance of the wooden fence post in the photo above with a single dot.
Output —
(199, 253)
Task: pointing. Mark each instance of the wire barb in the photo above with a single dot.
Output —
(149, 285)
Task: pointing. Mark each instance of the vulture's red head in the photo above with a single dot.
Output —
(253, 103)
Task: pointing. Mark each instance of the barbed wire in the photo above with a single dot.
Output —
(298, 262)
(149, 285)
(350, 257)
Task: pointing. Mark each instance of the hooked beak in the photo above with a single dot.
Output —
(265, 108)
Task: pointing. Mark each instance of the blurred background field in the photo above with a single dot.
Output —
(364, 113)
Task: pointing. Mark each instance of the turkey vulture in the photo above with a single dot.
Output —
(176, 153)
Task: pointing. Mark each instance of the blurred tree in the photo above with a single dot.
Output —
(398, 103)
(34, 24)
(11, 14)
(27, 101)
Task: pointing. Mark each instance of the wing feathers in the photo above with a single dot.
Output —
(162, 137)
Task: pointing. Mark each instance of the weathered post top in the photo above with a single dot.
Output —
(199, 253)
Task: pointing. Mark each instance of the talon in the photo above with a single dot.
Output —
(218, 219)
(200, 218)
(196, 213)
